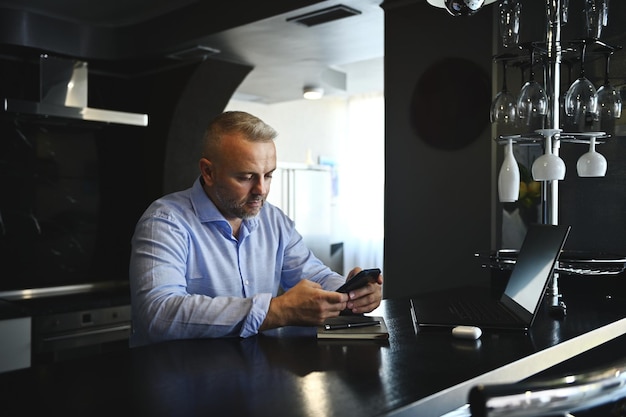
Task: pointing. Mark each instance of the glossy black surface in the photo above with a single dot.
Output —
(288, 371)
(58, 227)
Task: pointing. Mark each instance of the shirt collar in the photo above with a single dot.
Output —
(207, 211)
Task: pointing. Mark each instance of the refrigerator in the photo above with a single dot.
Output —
(304, 193)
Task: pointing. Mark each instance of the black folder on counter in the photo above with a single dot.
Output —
(518, 305)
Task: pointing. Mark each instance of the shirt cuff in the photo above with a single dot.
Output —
(258, 311)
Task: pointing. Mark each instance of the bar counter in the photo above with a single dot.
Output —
(288, 372)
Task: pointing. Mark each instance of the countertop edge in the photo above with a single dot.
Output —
(455, 397)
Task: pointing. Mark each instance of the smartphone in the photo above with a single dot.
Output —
(359, 280)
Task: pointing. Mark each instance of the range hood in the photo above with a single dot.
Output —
(63, 94)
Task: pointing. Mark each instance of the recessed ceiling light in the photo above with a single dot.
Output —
(312, 93)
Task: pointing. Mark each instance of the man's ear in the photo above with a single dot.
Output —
(206, 170)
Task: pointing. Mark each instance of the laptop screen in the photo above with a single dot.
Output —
(537, 257)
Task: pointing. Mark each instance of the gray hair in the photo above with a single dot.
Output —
(251, 127)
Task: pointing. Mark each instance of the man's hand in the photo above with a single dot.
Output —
(306, 304)
(367, 298)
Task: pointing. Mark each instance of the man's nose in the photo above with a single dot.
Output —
(261, 186)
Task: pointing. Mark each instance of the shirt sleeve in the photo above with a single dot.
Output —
(162, 307)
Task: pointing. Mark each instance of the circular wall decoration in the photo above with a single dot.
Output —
(450, 104)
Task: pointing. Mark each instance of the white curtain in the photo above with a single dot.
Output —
(361, 179)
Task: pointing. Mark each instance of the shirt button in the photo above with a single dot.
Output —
(246, 282)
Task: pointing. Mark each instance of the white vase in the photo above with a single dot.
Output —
(509, 177)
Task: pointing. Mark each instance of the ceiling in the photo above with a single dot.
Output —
(343, 56)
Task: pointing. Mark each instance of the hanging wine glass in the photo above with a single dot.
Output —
(568, 64)
(564, 11)
(548, 167)
(604, 12)
(509, 176)
(581, 98)
(510, 11)
(592, 163)
(504, 105)
(532, 101)
(609, 98)
(596, 13)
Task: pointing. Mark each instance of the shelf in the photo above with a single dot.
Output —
(569, 50)
(566, 137)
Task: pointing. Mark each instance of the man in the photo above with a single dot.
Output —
(208, 261)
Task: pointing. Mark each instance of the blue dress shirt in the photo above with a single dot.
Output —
(190, 278)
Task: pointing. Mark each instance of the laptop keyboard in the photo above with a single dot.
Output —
(466, 310)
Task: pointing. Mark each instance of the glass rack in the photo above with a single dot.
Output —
(552, 52)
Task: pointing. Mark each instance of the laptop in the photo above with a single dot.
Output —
(518, 305)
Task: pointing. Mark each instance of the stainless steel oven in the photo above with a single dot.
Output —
(75, 321)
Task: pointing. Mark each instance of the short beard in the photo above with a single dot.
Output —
(234, 208)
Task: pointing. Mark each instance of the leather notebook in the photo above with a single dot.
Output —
(354, 327)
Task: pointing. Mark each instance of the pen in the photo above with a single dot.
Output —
(350, 325)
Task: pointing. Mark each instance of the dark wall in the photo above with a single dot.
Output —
(200, 99)
(437, 194)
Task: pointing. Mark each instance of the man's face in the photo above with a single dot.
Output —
(238, 181)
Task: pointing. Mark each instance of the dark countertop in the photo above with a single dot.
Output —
(289, 372)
